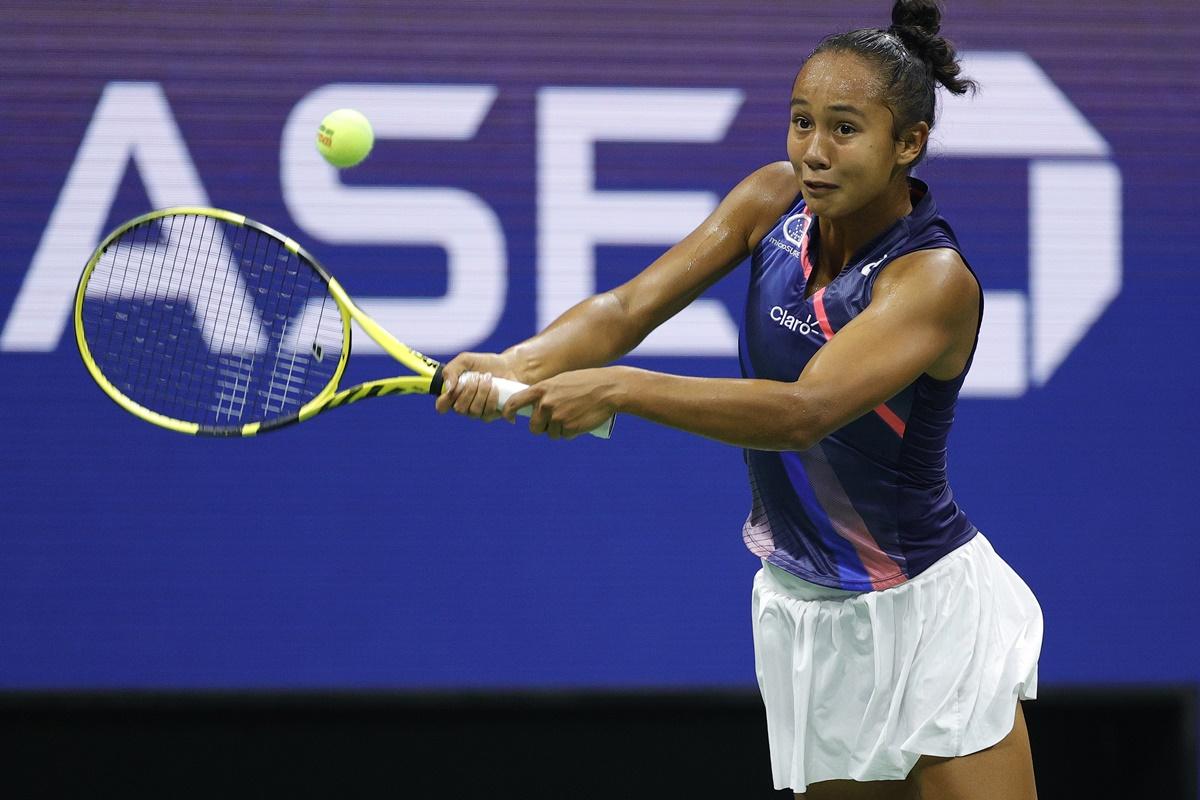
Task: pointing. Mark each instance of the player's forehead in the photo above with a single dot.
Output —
(839, 78)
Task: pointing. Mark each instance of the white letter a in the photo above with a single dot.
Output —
(132, 120)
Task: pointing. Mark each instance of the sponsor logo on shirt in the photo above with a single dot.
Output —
(784, 246)
(795, 226)
(785, 319)
(866, 270)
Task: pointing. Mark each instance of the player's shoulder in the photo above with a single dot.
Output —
(763, 196)
(771, 186)
(937, 276)
(778, 175)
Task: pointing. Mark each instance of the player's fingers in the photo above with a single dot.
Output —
(538, 420)
(525, 397)
(491, 407)
(452, 374)
(465, 393)
(483, 388)
(445, 400)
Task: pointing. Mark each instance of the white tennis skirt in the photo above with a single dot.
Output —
(859, 685)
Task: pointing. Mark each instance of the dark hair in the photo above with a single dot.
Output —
(912, 60)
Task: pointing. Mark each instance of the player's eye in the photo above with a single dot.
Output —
(801, 122)
(845, 128)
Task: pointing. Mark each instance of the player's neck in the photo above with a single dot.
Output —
(842, 237)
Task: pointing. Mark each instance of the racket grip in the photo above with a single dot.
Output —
(509, 388)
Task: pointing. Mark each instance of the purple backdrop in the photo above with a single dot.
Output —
(383, 546)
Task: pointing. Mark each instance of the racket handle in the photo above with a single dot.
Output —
(509, 388)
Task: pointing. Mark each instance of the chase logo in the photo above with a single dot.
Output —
(795, 226)
(1074, 230)
(1074, 224)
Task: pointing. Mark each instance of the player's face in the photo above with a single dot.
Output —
(840, 139)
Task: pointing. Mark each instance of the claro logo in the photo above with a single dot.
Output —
(1074, 208)
(785, 319)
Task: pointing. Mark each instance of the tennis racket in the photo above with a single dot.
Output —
(205, 322)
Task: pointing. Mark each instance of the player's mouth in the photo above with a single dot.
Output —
(820, 187)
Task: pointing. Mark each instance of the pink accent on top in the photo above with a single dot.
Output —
(892, 419)
(822, 317)
(886, 414)
(805, 261)
(881, 569)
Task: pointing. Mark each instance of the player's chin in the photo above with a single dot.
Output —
(824, 204)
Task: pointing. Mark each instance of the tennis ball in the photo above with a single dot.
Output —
(345, 137)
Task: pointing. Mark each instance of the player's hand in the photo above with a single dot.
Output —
(467, 386)
(570, 403)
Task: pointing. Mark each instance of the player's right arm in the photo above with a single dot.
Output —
(608, 325)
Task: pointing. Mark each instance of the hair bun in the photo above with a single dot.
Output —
(916, 20)
(916, 41)
(916, 23)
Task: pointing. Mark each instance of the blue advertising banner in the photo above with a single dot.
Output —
(529, 154)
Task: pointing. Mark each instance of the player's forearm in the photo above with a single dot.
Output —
(591, 333)
(757, 414)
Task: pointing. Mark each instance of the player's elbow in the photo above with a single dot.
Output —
(801, 437)
(799, 441)
(804, 424)
(621, 320)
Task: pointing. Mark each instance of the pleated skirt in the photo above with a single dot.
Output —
(859, 685)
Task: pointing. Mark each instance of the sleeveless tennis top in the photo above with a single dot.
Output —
(869, 506)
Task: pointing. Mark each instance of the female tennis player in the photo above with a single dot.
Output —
(892, 644)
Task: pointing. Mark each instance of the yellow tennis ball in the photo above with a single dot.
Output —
(345, 137)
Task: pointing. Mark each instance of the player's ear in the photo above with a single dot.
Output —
(911, 142)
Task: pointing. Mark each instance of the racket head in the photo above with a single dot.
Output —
(204, 322)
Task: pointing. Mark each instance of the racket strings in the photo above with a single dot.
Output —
(279, 388)
(151, 354)
(133, 370)
(208, 321)
(171, 368)
(170, 362)
(235, 372)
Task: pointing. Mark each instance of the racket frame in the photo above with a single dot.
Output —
(427, 377)
(424, 381)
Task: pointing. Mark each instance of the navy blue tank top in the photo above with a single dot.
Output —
(869, 506)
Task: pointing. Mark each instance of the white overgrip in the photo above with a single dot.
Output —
(509, 388)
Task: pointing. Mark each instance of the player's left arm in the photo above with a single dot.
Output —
(921, 318)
